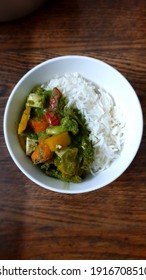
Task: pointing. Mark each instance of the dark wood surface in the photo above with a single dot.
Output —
(109, 223)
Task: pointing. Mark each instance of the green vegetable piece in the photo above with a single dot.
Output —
(55, 130)
(69, 163)
(70, 125)
(67, 124)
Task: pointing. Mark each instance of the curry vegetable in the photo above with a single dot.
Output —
(55, 136)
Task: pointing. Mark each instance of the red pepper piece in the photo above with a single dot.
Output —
(54, 99)
(52, 118)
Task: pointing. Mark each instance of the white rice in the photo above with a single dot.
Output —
(103, 117)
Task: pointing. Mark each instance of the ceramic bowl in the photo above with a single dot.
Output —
(99, 73)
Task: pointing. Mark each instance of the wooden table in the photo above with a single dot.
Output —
(109, 223)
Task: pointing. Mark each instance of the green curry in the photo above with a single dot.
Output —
(55, 136)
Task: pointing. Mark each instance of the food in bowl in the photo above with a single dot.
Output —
(102, 76)
(70, 127)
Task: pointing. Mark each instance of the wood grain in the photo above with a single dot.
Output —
(109, 223)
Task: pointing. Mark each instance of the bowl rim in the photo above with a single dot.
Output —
(6, 115)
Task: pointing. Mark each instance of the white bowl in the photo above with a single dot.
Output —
(99, 73)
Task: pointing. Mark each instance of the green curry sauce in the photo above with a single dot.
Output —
(50, 118)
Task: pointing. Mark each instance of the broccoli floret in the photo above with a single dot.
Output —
(67, 124)
(70, 125)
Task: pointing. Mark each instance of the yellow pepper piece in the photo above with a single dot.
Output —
(24, 120)
(59, 141)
